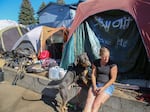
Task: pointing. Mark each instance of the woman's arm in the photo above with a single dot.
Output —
(93, 76)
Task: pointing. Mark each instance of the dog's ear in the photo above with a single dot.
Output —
(76, 61)
(84, 53)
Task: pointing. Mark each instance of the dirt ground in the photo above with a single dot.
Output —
(11, 100)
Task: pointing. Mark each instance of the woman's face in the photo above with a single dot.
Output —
(105, 57)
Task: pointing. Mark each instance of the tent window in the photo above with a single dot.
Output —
(10, 37)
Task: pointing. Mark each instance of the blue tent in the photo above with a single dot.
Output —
(57, 15)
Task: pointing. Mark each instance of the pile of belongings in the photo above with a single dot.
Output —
(29, 62)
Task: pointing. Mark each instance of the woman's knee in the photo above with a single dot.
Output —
(90, 99)
(97, 104)
(90, 94)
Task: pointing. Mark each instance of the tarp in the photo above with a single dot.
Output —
(80, 42)
(57, 15)
(116, 26)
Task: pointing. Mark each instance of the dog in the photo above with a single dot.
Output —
(75, 71)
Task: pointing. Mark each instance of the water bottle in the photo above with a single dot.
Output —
(54, 73)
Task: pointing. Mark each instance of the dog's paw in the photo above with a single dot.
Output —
(64, 109)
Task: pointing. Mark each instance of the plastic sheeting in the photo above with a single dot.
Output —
(83, 40)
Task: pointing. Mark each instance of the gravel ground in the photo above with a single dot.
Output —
(11, 100)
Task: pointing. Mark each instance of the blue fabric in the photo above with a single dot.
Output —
(123, 41)
(68, 54)
(109, 90)
(83, 40)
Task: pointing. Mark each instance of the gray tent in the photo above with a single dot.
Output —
(38, 39)
(10, 32)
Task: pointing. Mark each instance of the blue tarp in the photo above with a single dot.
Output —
(83, 40)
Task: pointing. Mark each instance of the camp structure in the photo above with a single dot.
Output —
(121, 26)
(10, 32)
(57, 15)
(43, 38)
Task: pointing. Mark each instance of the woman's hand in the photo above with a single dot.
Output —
(95, 90)
(100, 90)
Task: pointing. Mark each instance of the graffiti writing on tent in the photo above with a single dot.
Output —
(120, 42)
(121, 23)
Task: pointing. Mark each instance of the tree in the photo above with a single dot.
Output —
(26, 15)
(60, 2)
(41, 7)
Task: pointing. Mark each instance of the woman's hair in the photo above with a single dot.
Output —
(103, 50)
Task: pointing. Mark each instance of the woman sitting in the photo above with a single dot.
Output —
(104, 73)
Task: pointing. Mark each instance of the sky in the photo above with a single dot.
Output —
(10, 8)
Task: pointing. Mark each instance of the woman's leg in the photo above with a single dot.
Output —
(99, 100)
(89, 101)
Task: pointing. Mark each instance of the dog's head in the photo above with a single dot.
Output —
(82, 60)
